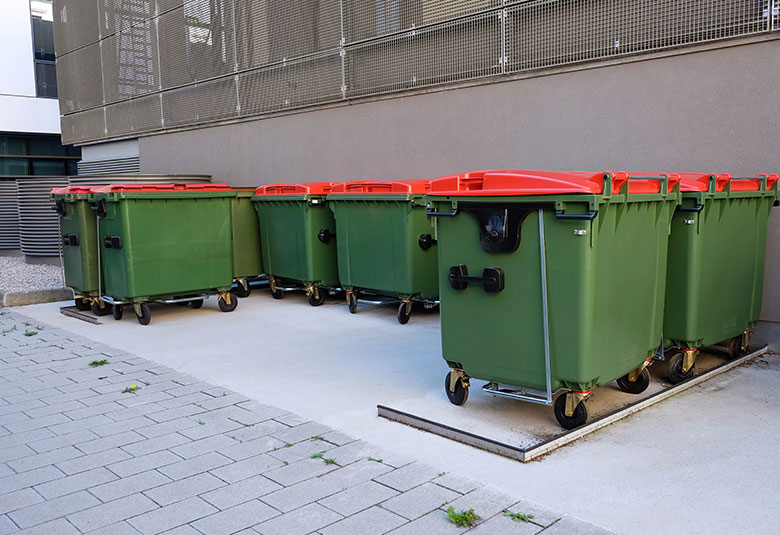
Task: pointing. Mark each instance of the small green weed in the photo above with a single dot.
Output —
(201, 422)
(517, 517)
(464, 519)
(329, 461)
(131, 389)
(27, 323)
(9, 330)
(318, 455)
(30, 333)
(317, 437)
(96, 363)
(288, 445)
(375, 460)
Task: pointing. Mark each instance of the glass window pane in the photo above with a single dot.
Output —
(46, 80)
(45, 146)
(43, 39)
(48, 167)
(14, 166)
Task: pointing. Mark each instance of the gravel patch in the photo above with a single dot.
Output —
(18, 276)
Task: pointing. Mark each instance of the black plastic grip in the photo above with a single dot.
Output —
(492, 278)
(697, 208)
(59, 207)
(100, 208)
(70, 239)
(451, 213)
(590, 216)
(112, 242)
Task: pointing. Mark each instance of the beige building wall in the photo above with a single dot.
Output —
(709, 110)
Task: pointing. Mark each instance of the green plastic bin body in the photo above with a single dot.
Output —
(605, 281)
(78, 232)
(379, 242)
(158, 244)
(291, 217)
(717, 249)
(247, 254)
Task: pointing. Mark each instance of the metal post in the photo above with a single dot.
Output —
(342, 51)
(543, 263)
(99, 261)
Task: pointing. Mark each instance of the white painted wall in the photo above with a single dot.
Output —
(20, 110)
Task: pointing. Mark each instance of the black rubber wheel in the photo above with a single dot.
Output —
(352, 302)
(81, 304)
(117, 311)
(675, 367)
(577, 419)
(636, 387)
(461, 393)
(736, 347)
(277, 293)
(196, 304)
(146, 315)
(242, 292)
(225, 307)
(404, 313)
(316, 297)
(97, 311)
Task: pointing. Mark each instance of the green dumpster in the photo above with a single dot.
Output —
(385, 244)
(551, 283)
(298, 238)
(78, 231)
(168, 243)
(247, 256)
(715, 272)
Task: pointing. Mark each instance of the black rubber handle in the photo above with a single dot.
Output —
(697, 208)
(590, 216)
(492, 279)
(452, 213)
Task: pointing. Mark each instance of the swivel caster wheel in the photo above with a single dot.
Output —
(117, 311)
(404, 312)
(578, 418)
(675, 369)
(145, 317)
(635, 387)
(316, 297)
(461, 393)
(224, 306)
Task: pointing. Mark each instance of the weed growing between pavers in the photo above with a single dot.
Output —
(376, 460)
(517, 517)
(329, 461)
(132, 389)
(318, 455)
(30, 333)
(201, 422)
(464, 518)
(96, 363)
(9, 330)
(317, 437)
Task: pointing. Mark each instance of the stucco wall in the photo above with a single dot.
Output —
(712, 110)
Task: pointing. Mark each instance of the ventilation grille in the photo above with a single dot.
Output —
(105, 167)
(157, 64)
(9, 215)
(38, 222)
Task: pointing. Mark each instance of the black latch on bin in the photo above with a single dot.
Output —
(492, 278)
(499, 226)
(100, 208)
(70, 239)
(324, 235)
(425, 241)
(112, 242)
(59, 207)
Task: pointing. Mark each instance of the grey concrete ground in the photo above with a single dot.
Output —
(133, 447)
(697, 463)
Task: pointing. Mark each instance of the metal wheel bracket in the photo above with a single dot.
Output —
(225, 296)
(634, 374)
(137, 309)
(574, 398)
(746, 339)
(407, 305)
(689, 357)
(309, 289)
(455, 375)
(272, 285)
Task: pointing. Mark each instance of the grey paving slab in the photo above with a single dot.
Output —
(369, 522)
(299, 522)
(77, 425)
(407, 477)
(485, 501)
(60, 441)
(457, 483)
(28, 479)
(236, 471)
(434, 523)
(18, 499)
(15, 452)
(51, 509)
(302, 450)
(169, 426)
(55, 527)
(355, 499)
(44, 459)
(202, 463)
(504, 525)
(236, 518)
(120, 528)
(542, 515)
(76, 482)
(289, 498)
(111, 512)
(184, 488)
(420, 500)
(240, 492)
(172, 516)
(136, 465)
(256, 431)
(568, 525)
(111, 441)
(302, 432)
(243, 450)
(7, 526)
(129, 485)
(193, 448)
(164, 442)
(295, 472)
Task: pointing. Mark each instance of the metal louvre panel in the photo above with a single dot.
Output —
(83, 126)
(270, 32)
(549, 33)
(293, 84)
(129, 60)
(464, 49)
(365, 19)
(116, 15)
(77, 24)
(202, 102)
(196, 42)
(9, 215)
(101, 167)
(38, 222)
(137, 115)
(79, 79)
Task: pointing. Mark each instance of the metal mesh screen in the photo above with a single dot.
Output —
(157, 64)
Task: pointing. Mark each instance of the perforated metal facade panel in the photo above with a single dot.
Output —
(158, 64)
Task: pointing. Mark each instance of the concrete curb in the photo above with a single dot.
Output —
(15, 299)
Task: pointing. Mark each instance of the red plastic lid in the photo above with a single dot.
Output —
(162, 188)
(305, 188)
(503, 182)
(751, 184)
(701, 182)
(74, 190)
(420, 186)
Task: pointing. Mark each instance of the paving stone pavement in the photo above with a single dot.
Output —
(132, 447)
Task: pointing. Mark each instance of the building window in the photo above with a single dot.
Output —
(35, 154)
(43, 44)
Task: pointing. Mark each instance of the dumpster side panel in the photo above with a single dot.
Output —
(171, 247)
(80, 261)
(378, 247)
(247, 255)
